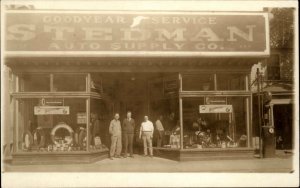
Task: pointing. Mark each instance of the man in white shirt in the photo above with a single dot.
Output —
(146, 133)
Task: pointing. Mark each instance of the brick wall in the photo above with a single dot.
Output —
(287, 66)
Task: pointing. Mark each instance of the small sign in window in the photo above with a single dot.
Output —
(81, 118)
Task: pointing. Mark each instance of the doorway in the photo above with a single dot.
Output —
(141, 93)
(283, 123)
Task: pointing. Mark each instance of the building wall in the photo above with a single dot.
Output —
(287, 66)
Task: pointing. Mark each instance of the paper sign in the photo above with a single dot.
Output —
(45, 110)
(215, 108)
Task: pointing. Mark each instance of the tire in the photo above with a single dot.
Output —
(62, 126)
(27, 139)
(42, 138)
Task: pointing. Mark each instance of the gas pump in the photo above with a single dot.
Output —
(268, 127)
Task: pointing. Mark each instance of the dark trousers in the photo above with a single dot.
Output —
(128, 143)
(160, 138)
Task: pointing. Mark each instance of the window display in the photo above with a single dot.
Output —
(214, 126)
(42, 127)
(100, 119)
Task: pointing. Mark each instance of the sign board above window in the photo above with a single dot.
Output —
(215, 108)
(113, 33)
(46, 110)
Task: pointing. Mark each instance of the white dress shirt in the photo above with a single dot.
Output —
(147, 126)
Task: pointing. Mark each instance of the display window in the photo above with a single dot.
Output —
(99, 127)
(207, 125)
(34, 83)
(51, 125)
(198, 82)
(230, 82)
(69, 82)
(58, 125)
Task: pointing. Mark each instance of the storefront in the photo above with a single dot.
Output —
(278, 131)
(70, 69)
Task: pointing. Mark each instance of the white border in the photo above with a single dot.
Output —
(81, 179)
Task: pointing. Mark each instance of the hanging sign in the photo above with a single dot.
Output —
(215, 108)
(137, 33)
(46, 110)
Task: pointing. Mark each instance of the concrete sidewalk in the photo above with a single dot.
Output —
(155, 164)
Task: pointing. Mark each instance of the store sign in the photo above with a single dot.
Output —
(51, 101)
(137, 33)
(215, 108)
(46, 110)
(215, 100)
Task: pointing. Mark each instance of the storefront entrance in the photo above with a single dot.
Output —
(283, 126)
(150, 94)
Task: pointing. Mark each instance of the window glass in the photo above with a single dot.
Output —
(230, 82)
(34, 83)
(198, 82)
(69, 82)
(214, 126)
(273, 67)
(101, 115)
(52, 125)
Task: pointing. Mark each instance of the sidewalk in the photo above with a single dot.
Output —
(155, 164)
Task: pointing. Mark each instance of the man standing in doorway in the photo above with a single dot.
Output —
(128, 132)
(160, 131)
(115, 132)
(146, 132)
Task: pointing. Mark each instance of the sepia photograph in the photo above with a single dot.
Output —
(149, 93)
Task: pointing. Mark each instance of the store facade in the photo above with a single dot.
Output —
(72, 68)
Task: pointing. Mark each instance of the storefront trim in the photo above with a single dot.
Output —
(205, 154)
(56, 95)
(213, 93)
(20, 158)
(134, 54)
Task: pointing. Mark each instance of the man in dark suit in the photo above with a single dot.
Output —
(128, 130)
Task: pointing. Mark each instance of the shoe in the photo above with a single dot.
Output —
(144, 155)
(118, 156)
(111, 158)
(151, 156)
(131, 156)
